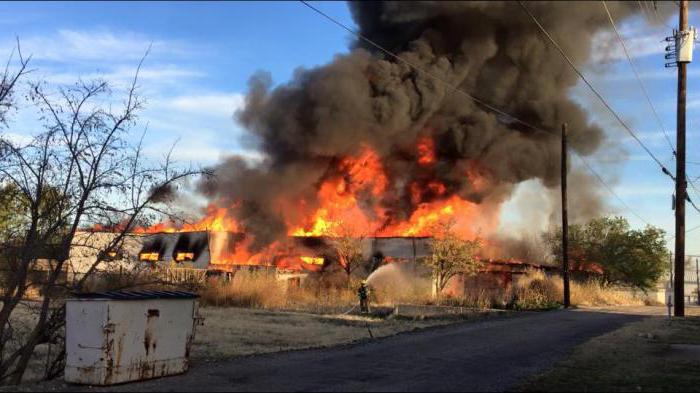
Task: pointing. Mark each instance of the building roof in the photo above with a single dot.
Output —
(136, 295)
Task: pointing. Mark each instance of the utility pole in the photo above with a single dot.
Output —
(684, 39)
(697, 280)
(564, 221)
(670, 269)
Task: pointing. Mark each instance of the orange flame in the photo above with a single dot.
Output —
(426, 151)
(339, 206)
(339, 212)
(216, 219)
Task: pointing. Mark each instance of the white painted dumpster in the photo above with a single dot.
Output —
(122, 336)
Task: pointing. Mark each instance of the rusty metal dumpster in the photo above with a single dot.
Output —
(122, 336)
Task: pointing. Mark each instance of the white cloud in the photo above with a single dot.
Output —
(177, 107)
(65, 56)
(203, 124)
(606, 46)
(102, 46)
(192, 151)
(212, 104)
(212, 153)
(204, 149)
(15, 138)
(122, 76)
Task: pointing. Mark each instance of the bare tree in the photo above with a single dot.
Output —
(347, 243)
(450, 255)
(81, 168)
(8, 81)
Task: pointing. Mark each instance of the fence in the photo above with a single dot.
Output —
(181, 276)
(692, 278)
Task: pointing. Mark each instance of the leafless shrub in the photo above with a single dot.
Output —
(80, 170)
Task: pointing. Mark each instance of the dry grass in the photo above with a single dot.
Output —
(232, 330)
(591, 293)
(229, 332)
(266, 292)
(537, 290)
(394, 285)
(642, 356)
(23, 320)
(254, 291)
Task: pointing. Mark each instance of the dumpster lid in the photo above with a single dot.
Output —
(136, 295)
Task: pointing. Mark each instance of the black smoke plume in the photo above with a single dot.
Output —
(366, 99)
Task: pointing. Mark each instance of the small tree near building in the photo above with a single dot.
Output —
(347, 243)
(450, 255)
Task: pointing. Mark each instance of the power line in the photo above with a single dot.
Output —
(610, 190)
(671, 236)
(644, 11)
(422, 70)
(600, 97)
(658, 17)
(687, 198)
(646, 94)
(593, 89)
(639, 79)
(654, 13)
(695, 190)
(475, 99)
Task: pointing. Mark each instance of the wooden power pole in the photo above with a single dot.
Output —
(564, 221)
(697, 281)
(684, 38)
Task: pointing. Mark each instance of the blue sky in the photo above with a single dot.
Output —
(203, 54)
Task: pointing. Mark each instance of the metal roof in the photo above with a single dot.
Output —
(136, 295)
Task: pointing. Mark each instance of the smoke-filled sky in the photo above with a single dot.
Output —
(204, 54)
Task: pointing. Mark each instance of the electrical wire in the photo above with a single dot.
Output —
(610, 190)
(639, 79)
(646, 93)
(594, 90)
(644, 11)
(447, 84)
(477, 100)
(658, 17)
(696, 191)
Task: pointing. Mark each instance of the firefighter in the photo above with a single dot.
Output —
(363, 295)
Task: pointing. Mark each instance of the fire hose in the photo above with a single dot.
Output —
(350, 310)
(366, 323)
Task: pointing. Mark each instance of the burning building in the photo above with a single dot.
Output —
(226, 251)
(371, 147)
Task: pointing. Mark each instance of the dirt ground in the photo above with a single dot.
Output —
(229, 332)
(490, 354)
(655, 354)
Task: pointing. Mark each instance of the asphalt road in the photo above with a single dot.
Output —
(490, 355)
